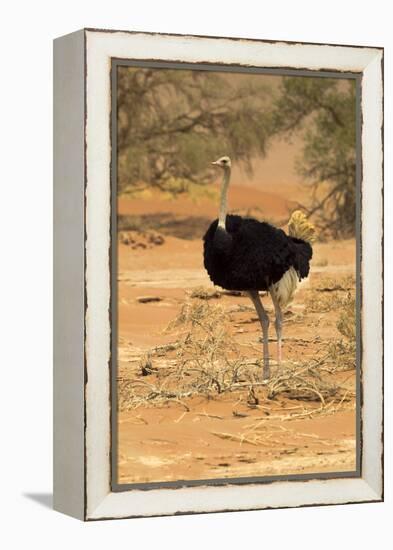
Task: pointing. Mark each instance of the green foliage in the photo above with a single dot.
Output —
(173, 123)
(323, 111)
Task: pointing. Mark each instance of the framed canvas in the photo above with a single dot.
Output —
(205, 187)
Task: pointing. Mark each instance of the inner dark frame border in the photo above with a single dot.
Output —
(113, 364)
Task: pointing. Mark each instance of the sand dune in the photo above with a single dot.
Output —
(270, 205)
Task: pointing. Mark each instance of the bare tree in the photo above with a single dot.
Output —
(323, 111)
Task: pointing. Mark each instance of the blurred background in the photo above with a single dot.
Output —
(292, 141)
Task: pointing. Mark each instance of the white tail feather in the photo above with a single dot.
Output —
(284, 290)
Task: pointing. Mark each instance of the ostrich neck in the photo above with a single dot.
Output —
(223, 199)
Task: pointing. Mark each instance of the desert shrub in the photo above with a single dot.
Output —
(205, 293)
(343, 352)
(342, 355)
(304, 382)
(329, 284)
(206, 360)
(207, 352)
(346, 323)
(328, 295)
(316, 302)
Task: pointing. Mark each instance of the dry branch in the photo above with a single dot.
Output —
(208, 362)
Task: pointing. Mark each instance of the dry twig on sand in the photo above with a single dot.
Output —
(304, 382)
(207, 361)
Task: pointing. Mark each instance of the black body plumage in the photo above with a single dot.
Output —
(252, 255)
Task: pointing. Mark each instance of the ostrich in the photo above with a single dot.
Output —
(247, 255)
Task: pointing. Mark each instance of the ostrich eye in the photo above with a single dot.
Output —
(224, 161)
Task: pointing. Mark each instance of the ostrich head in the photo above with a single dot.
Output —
(223, 162)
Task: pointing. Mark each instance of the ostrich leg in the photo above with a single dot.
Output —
(277, 324)
(264, 320)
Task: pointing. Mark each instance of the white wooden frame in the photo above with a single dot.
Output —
(82, 484)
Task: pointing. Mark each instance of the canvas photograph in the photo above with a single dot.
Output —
(235, 280)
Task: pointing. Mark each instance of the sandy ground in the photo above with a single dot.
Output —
(213, 438)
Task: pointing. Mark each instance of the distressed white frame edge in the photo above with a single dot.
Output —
(69, 280)
(100, 48)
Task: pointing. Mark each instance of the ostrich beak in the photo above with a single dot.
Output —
(215, 162)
